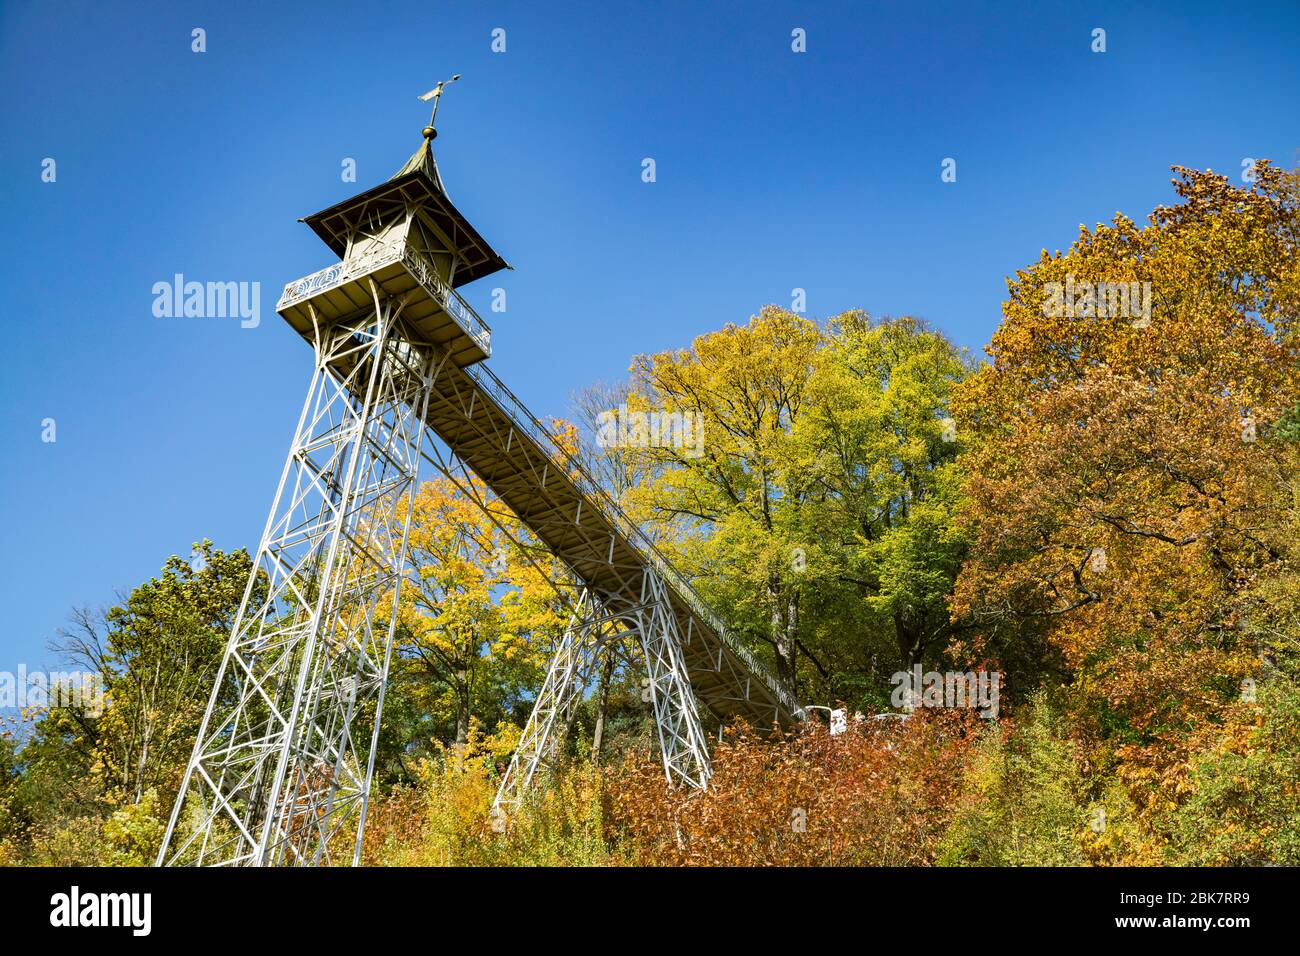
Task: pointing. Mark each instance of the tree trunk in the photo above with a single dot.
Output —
(784, 617)
(462, 708)
(911, 642)
(602, 702)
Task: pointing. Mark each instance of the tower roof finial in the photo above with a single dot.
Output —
(435, 94)
(422, 159)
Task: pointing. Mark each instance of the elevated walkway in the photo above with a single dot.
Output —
(487, 427)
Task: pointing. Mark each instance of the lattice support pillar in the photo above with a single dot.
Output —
(682, 744)
(557, 700)
(281, 770)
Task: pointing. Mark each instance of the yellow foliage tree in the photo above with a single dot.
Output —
(479, 620)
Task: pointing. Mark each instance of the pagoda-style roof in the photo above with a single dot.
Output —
(417, 181)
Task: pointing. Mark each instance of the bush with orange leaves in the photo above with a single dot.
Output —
(880, 794)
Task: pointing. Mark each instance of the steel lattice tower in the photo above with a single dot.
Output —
(281, 771)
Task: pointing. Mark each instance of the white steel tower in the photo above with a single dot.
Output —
(282, 768)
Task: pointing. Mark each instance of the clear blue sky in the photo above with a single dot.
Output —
(775, 170)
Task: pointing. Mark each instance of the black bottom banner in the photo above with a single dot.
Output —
(343, 905)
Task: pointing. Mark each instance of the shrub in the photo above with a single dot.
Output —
(1023, 803)
(875, 795)
(446, 818)
(1243, 808)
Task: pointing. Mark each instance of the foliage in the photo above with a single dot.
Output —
(446, 818)
(1243, 804)
(158, 660)
(1130, 503)
(1023, 802)
(878, 794)
(819, 511)
(478, 621)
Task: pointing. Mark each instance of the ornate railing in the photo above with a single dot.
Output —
(448, 298)
(338, 274)
(416, 263)
(588, 485)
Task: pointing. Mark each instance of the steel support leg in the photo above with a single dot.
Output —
(281, 769)
(557, 701)
(682, 744)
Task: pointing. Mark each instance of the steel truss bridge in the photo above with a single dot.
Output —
(281, 770)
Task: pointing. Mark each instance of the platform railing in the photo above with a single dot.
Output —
(416, 263)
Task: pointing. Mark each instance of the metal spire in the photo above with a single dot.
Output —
(435, 94)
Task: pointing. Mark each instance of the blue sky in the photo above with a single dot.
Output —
(775, 170)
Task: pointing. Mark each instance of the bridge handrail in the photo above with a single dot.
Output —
(579, 474)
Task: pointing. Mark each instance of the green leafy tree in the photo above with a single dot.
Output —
(817, 511)
(878, 451)
(157, 653)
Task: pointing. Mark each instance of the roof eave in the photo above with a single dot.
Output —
(490, 260)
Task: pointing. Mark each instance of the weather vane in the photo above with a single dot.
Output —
(435, 94)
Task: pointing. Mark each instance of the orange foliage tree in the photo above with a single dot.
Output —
(1127, 480)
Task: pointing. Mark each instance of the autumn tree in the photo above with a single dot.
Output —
(727, 496)
(1128, 486)
(478, 619)
(817, 509)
